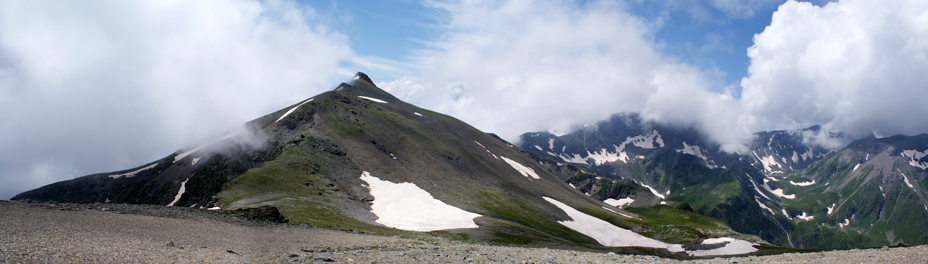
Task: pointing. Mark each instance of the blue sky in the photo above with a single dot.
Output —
(104, 85)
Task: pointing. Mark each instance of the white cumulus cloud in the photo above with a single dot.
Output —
(856, 66)
(95, 86)
(515, 66)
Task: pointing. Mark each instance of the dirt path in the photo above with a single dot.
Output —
(50, 233)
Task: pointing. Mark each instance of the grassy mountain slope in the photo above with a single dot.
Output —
(307, 161)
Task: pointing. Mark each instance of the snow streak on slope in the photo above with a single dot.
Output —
(654, 191)
(758, 189)
(526, 171)
(183, 188)
(133, 173)
(831, 208)
(906, 179)
(606, 233)
(802, 183)
(373, 99)
(408, 207)
(293, 109)
(762, 205)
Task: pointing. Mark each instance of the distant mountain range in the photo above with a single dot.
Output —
(357, 158)
(789, 189)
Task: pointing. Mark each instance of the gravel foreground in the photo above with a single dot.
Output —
(69, 233)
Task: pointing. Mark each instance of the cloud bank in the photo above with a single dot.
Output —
(95, 86)
(855, 66)
(514, 66)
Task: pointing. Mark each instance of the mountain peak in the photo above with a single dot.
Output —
(361, 85)
(363, 77)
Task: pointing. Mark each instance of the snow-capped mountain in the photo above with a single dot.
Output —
(768, 192)
(783, 150)
(358, 158)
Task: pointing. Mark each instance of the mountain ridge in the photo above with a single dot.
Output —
(764, 192)
(337, 159)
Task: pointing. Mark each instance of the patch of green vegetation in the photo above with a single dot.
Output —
(704, 197)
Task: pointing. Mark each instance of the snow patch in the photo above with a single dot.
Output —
(603, 156)
(417, 113)
(183, 188)
(906, 179)
(539, 148)
(481, 145)
(187, 153)
(805, 217)
(645, 142)
(831, 208)
(526, 171)
(802, 183)
(373, 99)
(795, 157)
(768, 162)
(293, 109)
(695, 151)
(845, 223)
(620, 202)
(406, 206)
(133, 173)
(606, 233)
(551, 144)
(779, 192)
(914, 156)
(855, 167)
(654, 191)
(214, 208)
(573, 158)
(734, 247)
(195, 160)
